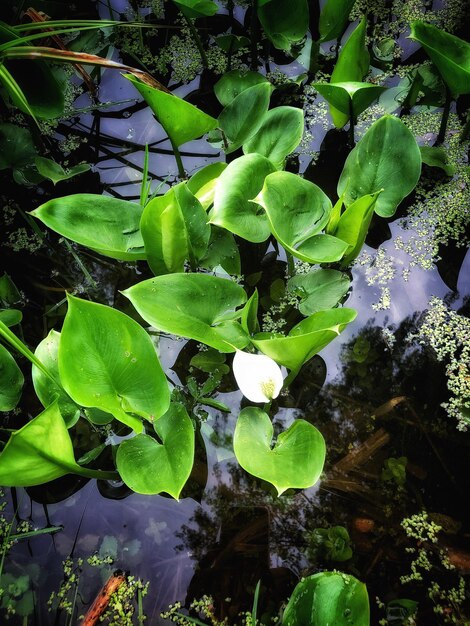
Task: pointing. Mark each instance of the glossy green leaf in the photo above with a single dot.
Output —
(347, 98)
(306, 339)
(209, 360)
(46, 390)
(150, 467)
(9, 293)
(108, 361)
(192, 306)
(236, 187)
(181, 120)
(450, 54)
(249, 318)
(294, 462)
(284, 23)
(319, 289)
(11, 381)
(10, 317)
(222, 251)
(279, 134)
(196, 8)
(328, 598)
(387, 158)
(55, 172)
(334, 18)
(242, 118)
(174, 229)
(354, 224)
(41, 451)
(352, 65)
(202, 183)
(437, 157)
(232, 83)
(297, 210)
(102, 223)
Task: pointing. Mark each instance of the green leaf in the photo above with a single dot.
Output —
(437, 157)
(232, 43)
(209, 360)
(242, 118)
(175, 229)
(46, 390)
(11, 381)
(181, 121)
(108, 361)
(333, 18)
(102, 223)
(236, 187)
(450, 54)
(284, 23)
(10, 317)
(345, 98)
(294, 462)
(196, 8)
(215, 404)
(387, 158)
(55, 172)
(249, 318)
(202, 183)
(9, 293)
(319, 290)
(352, 65)
(306, 339)
(234, 82)
(279, 134)
(149, 467)
(192, 305)
(354, 223)
(18, 150)
(41, 451)
(328, 598)
(222, 251)
(297, 210)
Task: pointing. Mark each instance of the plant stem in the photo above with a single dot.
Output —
(290, 264)
(465, 130)
(198, 42)
(179, 162)
(445, 116)
(351, 123)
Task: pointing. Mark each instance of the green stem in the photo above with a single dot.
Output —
(20, 347)
(290, 264)
(198, 42)
(351, 123)
(445, 117)
(179, 162)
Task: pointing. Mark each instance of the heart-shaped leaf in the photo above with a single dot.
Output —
(319, 290)
(297, 211)
(149, 467)
(242, 118)
(328, 598)
(105, 224)
(348, 98)
(222, 251)
(11, 381)
(41, 451)
(387, 158)
(46, 390)
(285, 23)
(181, 120)
(354, 223)
(236, 187)
(108, 361)
(196, 8)
(279, 134)
(202, 183)
(192, 306)
(294, 462)
(306, 339)
(234, 82)
(450, 54)
(174, 228)
(333, 18)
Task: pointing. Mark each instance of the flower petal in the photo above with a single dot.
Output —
(258, 376)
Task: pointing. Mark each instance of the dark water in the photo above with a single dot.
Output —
(228, 530)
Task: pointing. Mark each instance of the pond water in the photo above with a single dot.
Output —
(375, 393)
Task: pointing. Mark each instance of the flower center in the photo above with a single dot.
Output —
(268, 387)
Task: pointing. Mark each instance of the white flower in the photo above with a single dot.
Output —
(258, 376)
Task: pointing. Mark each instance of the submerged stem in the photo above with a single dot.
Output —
(445, 117)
